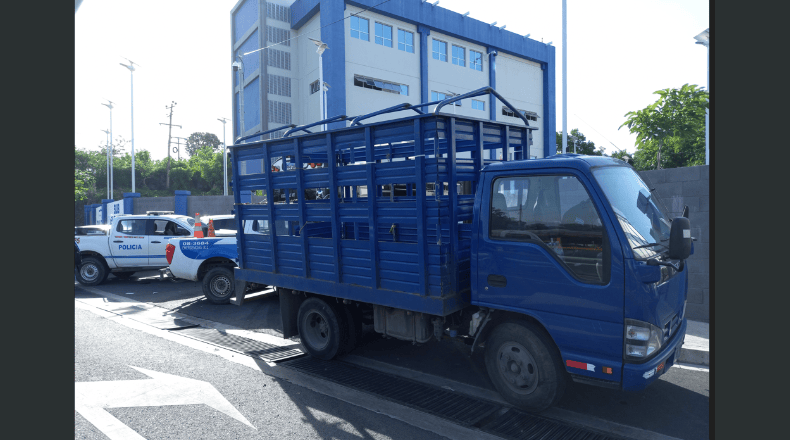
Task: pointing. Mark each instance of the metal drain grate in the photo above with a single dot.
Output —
(489, 417)
(163, 322)
(434, 400)
(518, 425)
(268, 352)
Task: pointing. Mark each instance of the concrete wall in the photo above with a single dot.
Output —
(144, 204)
(676, 188)
(209, 205)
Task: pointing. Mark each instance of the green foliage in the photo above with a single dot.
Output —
(583, 146)
(675, 124)
(82, 182)
(198, 140)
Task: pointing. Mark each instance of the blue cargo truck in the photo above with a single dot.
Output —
(438, 225)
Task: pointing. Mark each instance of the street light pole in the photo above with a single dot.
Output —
(224, 156)
(321, 99)
(704, 39)
(107, 140)
(110, 148)
(131, 71)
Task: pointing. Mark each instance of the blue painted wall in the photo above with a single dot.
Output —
(128, 202)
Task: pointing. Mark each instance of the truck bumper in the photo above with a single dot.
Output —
(637, 377)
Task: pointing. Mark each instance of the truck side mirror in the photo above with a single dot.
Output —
(680, 239)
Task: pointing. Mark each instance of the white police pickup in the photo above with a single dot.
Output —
(210, 260)
(129, 244)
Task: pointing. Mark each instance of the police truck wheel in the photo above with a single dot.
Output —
(525, 366)
(321, 328)
(219, 285)
(92, 272)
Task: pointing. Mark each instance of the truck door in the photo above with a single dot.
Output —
(160, 231)
(129, 243)
(543, 250)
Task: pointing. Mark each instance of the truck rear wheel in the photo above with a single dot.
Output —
(92, 272)
(218, 285)
(524, 366)
(321, 328)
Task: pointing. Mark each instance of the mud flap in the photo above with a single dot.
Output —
(241, 291)
(289, 310)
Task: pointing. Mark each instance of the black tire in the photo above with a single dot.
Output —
(219, 285)
(525, 366)
(123, 275)
(322, 328)
(92, 272)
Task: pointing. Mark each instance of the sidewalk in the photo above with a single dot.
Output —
(695, 349)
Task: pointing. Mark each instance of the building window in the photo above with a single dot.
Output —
(476, 60)
(459, 56)
(277, 35)
(439, 50)
(478, 105)
(279, 59)
(314, 87)
(277, 12)
(279, 112)
(359, 28)
(439, 96)
(383, 35)
(531, 116)
(405, 41)
(384, 86)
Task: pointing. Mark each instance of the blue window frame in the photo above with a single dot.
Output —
(360, 28)
(459, 56)
(383, 35)
(476, 60)
(439, 50)
(478, 105)
(405, 41)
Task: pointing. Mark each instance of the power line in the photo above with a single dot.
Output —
(328, 24)
(607, 140)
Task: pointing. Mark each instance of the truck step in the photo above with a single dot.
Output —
(490, 417)
(240, 344)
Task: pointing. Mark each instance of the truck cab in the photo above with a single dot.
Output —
(571, 243)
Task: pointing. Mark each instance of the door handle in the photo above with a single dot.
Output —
(156, 242)
(117, 241)
(497, 280)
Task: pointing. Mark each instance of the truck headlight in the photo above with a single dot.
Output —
(642, 339)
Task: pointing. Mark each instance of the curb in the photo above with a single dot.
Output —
(694, 357)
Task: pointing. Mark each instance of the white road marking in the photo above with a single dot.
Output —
(692, 367)
(92, 398)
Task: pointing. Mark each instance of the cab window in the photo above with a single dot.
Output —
(555, 212)
(131, 227)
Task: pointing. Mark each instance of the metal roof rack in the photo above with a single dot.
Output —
(159, 212)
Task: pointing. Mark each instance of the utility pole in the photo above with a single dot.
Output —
(131, 71)
(178, 148)
(224, 156)
(169, 138)
(564, 77)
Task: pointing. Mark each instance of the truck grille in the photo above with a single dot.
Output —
(671, 327)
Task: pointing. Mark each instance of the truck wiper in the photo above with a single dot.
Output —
(651, 245)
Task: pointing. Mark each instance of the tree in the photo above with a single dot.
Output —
(671, 131)
(201, 139)
(82, 183)
(583, 146)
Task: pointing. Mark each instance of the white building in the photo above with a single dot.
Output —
(402, 51)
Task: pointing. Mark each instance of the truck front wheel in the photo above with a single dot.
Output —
(321, 328)
(92, 272)
(218, 285)
(524, 366)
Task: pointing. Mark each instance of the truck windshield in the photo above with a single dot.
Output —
(643, 218)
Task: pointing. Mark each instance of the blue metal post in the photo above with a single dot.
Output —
(300, 196)
(372, 214)
(334, 195)
(452, 197)
(492, 81)
(422, 233)
(425, 93)
(87, 219)
(245, 196)
(269, 204)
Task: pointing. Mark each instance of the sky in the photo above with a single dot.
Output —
(619, 53)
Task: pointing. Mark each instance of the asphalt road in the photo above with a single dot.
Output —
(677, 405)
